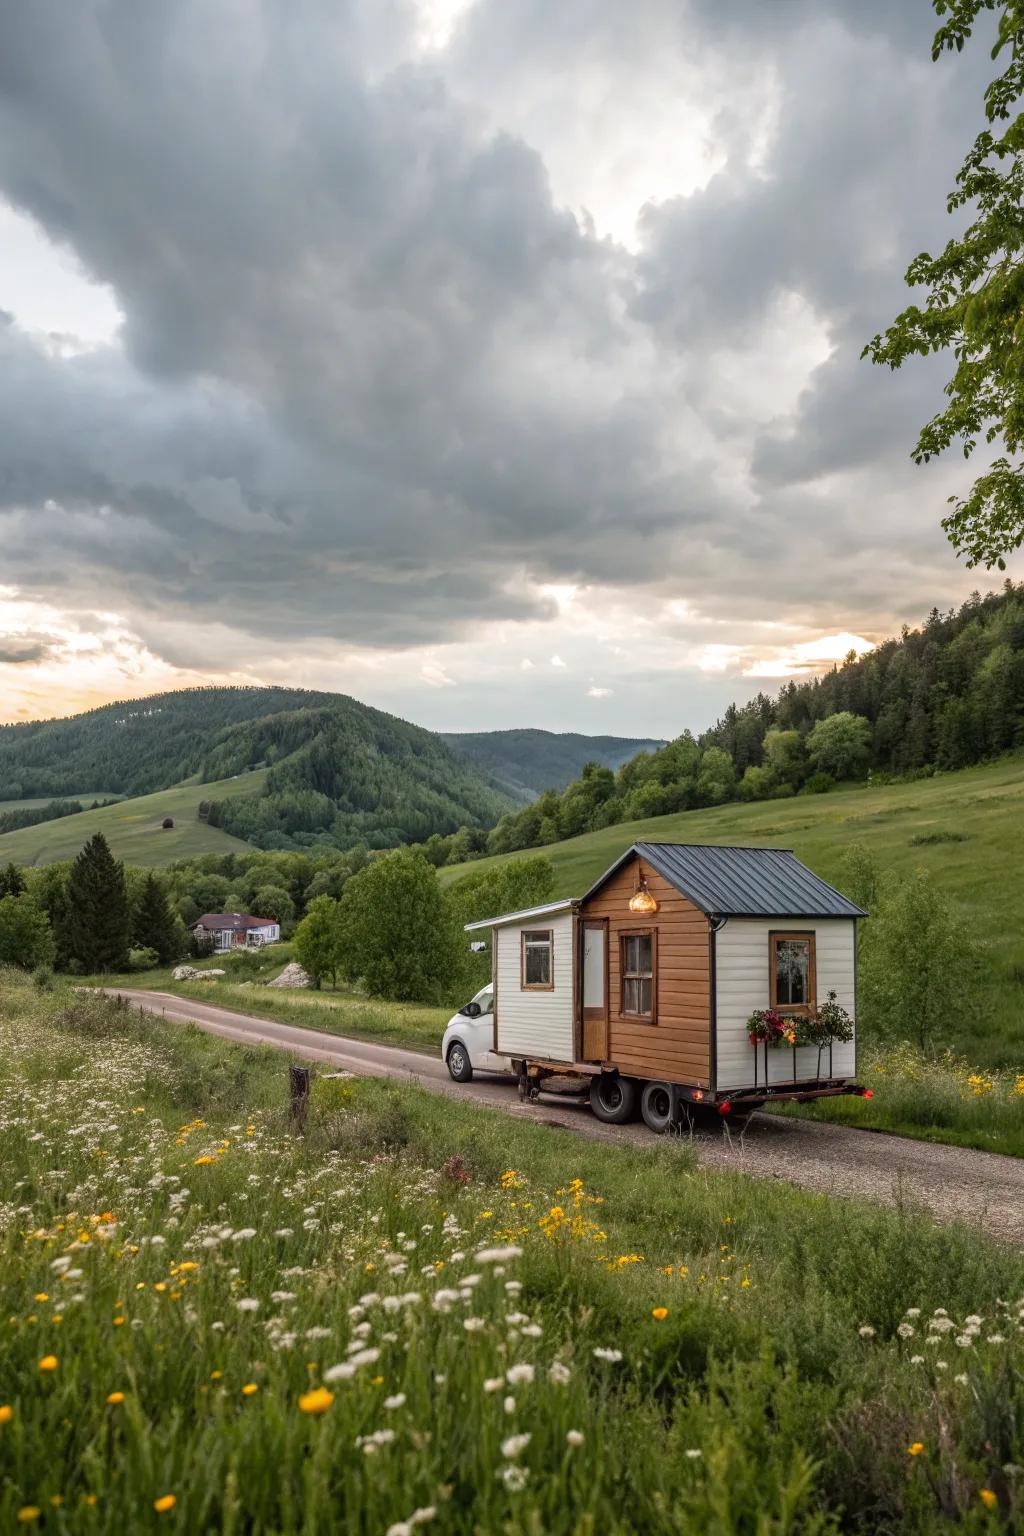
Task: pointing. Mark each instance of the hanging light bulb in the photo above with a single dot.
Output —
(642, 900)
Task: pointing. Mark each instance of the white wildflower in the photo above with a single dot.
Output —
(917, 1359)
(515, 1478)
(509, 1404)
(343, 1372)
(558, 1374)
(574, 1437)
(499, 1255)
(473, 1324)
(613, 1356)
(514, 1446)
(518, 1373)
(906, 1330)
(396, 1400)
(248, 1304)
(866, 1331)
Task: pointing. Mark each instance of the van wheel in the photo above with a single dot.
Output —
(459, 1064)
(613, 1099)
(656, 1106)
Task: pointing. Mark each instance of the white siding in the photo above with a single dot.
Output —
(742, 984)
(535, 1024)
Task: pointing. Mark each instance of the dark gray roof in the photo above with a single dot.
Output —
(741, 882)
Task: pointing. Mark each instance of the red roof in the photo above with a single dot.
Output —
(236, 922)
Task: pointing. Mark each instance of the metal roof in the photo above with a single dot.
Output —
(527, 912)
(741, 882)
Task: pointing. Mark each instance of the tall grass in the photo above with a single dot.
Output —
(502, 1330)
(943, 1099)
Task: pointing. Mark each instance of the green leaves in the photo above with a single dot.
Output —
(975, 305)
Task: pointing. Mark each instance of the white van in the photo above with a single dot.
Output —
(468, 1043)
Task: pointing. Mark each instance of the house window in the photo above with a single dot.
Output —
(638, 975)
(537, 970)
(792, 971)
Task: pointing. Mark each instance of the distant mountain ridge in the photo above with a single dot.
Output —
(526, 762)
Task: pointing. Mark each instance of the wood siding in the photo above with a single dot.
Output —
(534, 1021)
(677, 1045)
(743, 983)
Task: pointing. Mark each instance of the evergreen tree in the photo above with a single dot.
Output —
(96, 921)
(12, 881)
(154, 924)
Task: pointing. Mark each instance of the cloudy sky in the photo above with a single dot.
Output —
(492, 360)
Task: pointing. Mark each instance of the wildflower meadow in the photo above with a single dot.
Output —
(407, 1314)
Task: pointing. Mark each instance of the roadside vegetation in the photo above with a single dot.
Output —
(418, 1314)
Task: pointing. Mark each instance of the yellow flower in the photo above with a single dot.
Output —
(200, 1162)
(188, 1266)
(118, 1322)
(660, 1313)
(165, 1502)
(41, 1296)
(161, 1285)
(28, 1512)
(6, 1413)
(216, 1375)
(915, 1449)
(48, 1363)
(249, 1389)
(113, 1398)
(988, 1498)
(376, 1381)
(317, 1401)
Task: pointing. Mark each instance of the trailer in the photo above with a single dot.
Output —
(688, 976)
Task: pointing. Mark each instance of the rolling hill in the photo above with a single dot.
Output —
(966, 828)
(526, 762)
(133, 827)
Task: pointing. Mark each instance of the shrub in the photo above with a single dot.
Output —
(819, 784)
(143, 959)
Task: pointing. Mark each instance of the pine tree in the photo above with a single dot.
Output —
(154, 925)
(12, 881)
(96, 921)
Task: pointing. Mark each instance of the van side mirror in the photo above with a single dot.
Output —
(471, 1010)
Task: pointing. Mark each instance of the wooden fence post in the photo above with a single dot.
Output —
(298, 1084)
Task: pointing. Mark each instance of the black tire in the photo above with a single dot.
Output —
(613, 1099)
(459, 1064)
(656, 1107)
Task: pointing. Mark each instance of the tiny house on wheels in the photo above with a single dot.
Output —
(687, 975)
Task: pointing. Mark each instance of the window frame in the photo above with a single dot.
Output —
(648, 932)
(777, 936)
(537, 986)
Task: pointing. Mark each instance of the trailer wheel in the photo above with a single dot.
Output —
(459, 1064)
(656, 1107)
(613, 1099)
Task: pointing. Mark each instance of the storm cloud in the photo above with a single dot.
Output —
(382, 377)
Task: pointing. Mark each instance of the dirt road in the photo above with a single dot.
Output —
(953, 1183)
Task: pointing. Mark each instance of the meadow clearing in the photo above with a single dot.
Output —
(422, 1315)
(133, 827)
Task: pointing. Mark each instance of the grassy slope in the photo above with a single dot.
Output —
(133, 827)
(753, 1405)
(981, 874)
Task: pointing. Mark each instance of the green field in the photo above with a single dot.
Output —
(425, 1314)
(982, 808)
(133, 830)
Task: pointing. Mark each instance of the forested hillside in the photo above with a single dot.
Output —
(944, 696)
(136, 747)
(348, 774)
(526, 762)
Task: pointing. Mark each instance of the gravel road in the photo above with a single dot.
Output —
(953, 1183)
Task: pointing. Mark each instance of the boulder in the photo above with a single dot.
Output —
(190, 973)
(292, 976)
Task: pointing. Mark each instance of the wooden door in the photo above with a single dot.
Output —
(594, 990)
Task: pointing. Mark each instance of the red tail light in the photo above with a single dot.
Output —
(725, 1108)
(867, 1093)
(698, 1094)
